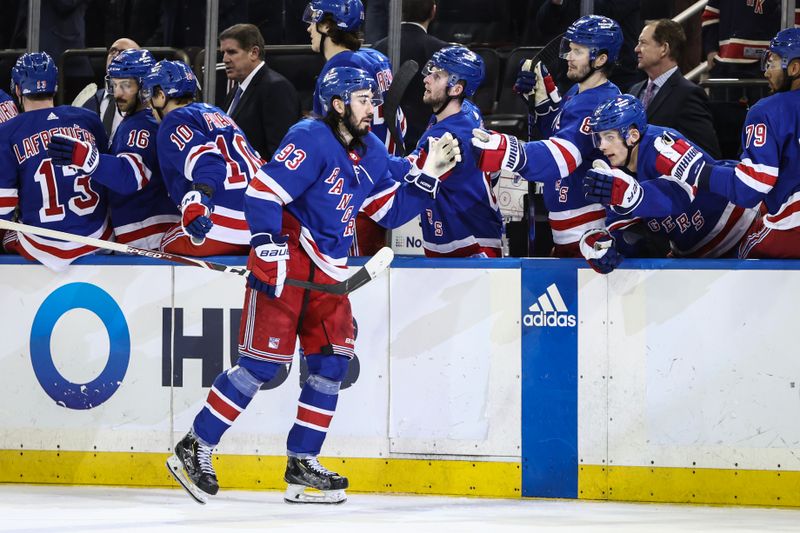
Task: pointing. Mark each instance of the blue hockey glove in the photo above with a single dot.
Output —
(612, 186)
(66, 150)
(598, 247)
(196, 209)
(435, 164)
(267, 263)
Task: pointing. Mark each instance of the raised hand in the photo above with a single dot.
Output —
(435, 164)
(498, 151)
(67, 150)
(267, 263)
(679, 160)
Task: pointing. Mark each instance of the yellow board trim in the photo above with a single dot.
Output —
(689, 485)
(462, 478)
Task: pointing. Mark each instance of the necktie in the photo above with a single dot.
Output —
(235, 101)
(108, 114)
(648, 93)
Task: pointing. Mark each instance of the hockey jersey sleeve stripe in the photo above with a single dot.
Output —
(8, 201)
(622, 224)
(376, 206)
(761, 178)
(263, 183)
(228, 222)
(194, 155)
(140, 170)
(784, 218)
(710, 16)
(568, 223)
(566, 155)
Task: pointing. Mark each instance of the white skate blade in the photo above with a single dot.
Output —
(175, 468)
(296, 494)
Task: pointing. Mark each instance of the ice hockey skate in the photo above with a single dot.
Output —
(302, 474)
(191, 466)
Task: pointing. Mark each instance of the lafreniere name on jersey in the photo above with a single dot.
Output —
(549, 310)
(32, 145)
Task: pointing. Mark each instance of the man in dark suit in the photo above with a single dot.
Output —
(670, 99)
(416, 44)
(265, 104)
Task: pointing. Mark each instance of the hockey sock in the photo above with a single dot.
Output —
(229, 396)
(314, 414)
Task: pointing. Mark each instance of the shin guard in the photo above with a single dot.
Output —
(229, 396)
(314, 414)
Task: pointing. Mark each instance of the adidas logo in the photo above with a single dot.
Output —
(52, 116)
(549, 310)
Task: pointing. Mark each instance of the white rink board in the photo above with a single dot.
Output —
(146, 414)
(690, 383)
(137, 416)
(455, 359)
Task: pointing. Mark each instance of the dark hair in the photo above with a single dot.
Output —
(417, 10)
(349, 39)
(670, 32)
(247, 35)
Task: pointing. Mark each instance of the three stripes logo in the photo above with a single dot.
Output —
(549, 310)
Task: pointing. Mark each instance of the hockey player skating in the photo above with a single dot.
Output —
(641, 205)
(769, 166)
(301, 208)
(141, 210)
(48, 196)
(465, 221)
(206, 163)
(590, 46)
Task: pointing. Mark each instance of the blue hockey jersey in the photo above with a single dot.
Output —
(200, 144)
(465, 216)
(142, 213)
(697, 225)
(561, 161)
(49, 196)
(7, 108)
(769, 167)
(379, 66)
(315, 180)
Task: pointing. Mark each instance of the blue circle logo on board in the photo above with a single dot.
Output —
(95, 392)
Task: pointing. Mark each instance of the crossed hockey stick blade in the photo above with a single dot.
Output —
(374, 266)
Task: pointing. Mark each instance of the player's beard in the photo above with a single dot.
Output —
(580, 74)
(434, 101)
(127, 108)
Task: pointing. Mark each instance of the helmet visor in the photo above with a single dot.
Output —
(311, 15)
(770, 60)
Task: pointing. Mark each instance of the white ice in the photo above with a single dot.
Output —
(41, 508)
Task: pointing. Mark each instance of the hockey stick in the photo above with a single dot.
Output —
(83, 96)
(549, 56)
(397, 89)
(374, 266)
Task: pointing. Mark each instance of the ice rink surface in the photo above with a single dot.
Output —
(43, 508)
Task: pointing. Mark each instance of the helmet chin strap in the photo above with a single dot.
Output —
(786, 86)
(322, 38)
(629, 150)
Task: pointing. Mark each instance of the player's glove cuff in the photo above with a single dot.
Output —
(598, 248)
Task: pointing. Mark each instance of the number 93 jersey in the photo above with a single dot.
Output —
(50, 196)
